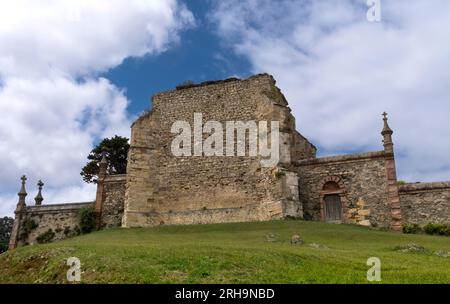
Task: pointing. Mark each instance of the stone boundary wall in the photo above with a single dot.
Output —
(60, 218)
(361, 183)
(423, 203)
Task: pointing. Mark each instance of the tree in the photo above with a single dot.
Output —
(116, 150)
(86, 219)
(6, 225)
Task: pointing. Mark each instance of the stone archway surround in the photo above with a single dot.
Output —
(341, 191)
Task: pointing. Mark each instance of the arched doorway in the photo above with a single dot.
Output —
(332, 200)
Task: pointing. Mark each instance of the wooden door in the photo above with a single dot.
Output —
(333, 211)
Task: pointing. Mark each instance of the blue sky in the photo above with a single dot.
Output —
(73, 72)
(199, 56)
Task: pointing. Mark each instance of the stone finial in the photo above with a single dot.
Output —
(104, 160)
(38, 199)
(387, 135)
(22, 189)
(103, 165)
(22, 194)
(386, 128)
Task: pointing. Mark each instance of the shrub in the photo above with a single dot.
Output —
(27, 226)
(185, 84)
(46, 237)
(436, 229)
(430, 228)
(6, 225)
(444, 230)
(3, 247)
(411, 229)
(87, 219)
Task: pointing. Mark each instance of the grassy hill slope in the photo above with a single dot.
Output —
(232, 253)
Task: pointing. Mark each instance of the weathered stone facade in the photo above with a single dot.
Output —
(424, 203)
(165, 189)
(160, 188)
(360, 182)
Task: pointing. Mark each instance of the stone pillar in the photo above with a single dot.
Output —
(391, 175)
(290, 196)
(103, 166)
(20, 213)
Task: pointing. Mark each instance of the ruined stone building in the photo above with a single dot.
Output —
(163, 189)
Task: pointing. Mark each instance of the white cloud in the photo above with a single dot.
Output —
(51, 125)
(340, 72)
(79, 37)
(53, 105)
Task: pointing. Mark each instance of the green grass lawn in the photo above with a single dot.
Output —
(232, 253)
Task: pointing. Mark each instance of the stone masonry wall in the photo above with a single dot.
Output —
(424, 203)
(113, 201)
(164, 189)
(60, 218)
(362, 179)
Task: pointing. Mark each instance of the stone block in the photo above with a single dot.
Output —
(364, 223)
